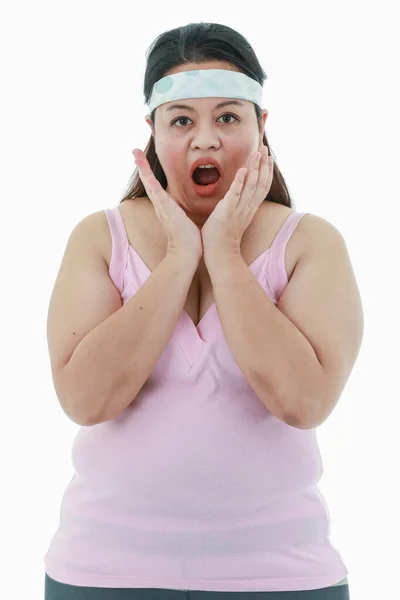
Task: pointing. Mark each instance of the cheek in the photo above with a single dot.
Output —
(174, 155)
(172, 159)
(239, 158)
(239, 150)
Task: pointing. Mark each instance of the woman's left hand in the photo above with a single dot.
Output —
(224, 228)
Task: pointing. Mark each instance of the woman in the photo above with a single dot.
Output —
(200, 332)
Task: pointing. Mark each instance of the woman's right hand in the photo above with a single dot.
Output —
(184, 237)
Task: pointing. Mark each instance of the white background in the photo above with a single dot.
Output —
(72, 110)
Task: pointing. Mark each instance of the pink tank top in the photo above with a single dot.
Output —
(195, 485)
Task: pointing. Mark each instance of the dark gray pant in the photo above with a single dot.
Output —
(54, 590)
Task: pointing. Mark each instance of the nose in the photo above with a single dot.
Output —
(205, 137)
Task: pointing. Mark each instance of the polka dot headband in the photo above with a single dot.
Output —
(205, 83)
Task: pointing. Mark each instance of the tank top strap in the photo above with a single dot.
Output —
(276, 268)
(120, 245)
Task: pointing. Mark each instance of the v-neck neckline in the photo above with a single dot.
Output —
(194, 338)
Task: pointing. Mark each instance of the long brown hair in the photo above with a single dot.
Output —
(197, 43)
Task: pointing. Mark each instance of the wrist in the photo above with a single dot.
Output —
(221, 254)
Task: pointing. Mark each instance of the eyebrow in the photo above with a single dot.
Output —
(220, 105)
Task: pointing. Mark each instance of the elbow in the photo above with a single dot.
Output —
(300, 422)
(305, 408)
(76, 415)
(78, 407)
(76, 410)
(307, 414)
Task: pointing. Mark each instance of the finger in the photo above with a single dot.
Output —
(238, 182)
(266, 176)
(142, 163)
(265, 167)
(252, 178)
(154, 190)
(271, 170)
(235, 191)
(150, 182)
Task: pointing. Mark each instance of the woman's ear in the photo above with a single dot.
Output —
(263, 119)
(262, 124)
(150, 124)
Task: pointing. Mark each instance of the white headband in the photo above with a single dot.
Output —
(205, 83)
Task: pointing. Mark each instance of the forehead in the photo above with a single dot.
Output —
(204, 104)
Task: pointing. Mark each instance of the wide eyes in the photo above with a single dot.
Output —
(187, 119)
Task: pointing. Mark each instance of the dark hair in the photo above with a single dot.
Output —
(197, 43)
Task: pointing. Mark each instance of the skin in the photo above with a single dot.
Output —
(204, 133)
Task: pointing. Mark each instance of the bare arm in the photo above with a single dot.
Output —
(113, 361)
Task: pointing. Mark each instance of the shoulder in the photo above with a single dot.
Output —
(311, 231)
(316, 233)
(311, 235)
(130, 210)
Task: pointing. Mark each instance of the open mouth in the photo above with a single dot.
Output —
(205, 180)
(205, 175)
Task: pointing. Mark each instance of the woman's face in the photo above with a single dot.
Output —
(229, 134)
